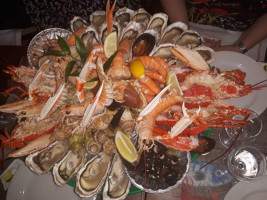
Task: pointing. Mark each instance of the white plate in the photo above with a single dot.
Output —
(25, 185)
(256, 100)
(256, 190)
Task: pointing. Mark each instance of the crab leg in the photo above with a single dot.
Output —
(109, 15)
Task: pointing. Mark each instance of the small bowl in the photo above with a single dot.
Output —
(160, 169)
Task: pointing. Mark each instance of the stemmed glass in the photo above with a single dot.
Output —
(246, 163)
(249, 131)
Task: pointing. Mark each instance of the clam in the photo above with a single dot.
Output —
(117, 184)
(172, 32)
(91, 177)
(90, 37)
(40, 162)
(64, 170)
(190, 39)
(77, 23)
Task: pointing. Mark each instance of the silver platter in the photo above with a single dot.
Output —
(42, 42)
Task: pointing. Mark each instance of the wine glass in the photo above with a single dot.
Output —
(249, 131)
(246, 163)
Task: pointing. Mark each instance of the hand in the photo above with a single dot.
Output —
(216, 45)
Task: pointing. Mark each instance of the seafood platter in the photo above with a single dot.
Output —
(119, 100)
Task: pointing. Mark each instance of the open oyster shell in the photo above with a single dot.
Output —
(40, 162)
(91, 177)
(117, 184)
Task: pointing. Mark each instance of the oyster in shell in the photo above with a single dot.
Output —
(68, 167)
(172, 32)
(158, 22)
(77, 23)
(117, 184)
(163, 51)
(190, 39)
(92, 175)
(207, 53)
(40, 162)
(132, 30)
(97, 18)
(123, 16)
(141, 16)
(90, 37)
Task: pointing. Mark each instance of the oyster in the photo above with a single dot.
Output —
(163, 51)
(123, 16)
(117, 184)
(131, 30)
(91, 177)
(172, 32)
(158, 22)
(103, 31)
(190, 39)
(207, 53)
(77, 23)
(68, 167)
(141, 16)
(90, 37)
(41, 162)
(97, 18)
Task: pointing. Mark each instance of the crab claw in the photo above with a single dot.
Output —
(109, 15)
(190, 57)
(183, 123)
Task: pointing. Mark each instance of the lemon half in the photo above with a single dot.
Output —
(137, 68)
(90, 85)
(125, 147)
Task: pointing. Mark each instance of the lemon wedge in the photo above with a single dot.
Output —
(8, 175)
(90, 85)
(172, 79)
(125, 147)
(137, 68)
(110, 44)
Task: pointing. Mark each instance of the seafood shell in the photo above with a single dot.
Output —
(91, 177)
(117, 184)
(145, 43)
(123, 16)
(77, 22)
(207, 53)
(190, 39)
(172, 32)
(97, 18)
(158, 22)
(103, 31)
(160, 168)
(40, 162)
(141, 16)
(132, 30)
(90, 37)
(163, 51)
(68, 167)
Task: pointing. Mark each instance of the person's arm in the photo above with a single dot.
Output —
(176, 10)
(253, 35)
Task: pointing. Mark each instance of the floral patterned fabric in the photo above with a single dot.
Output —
(235, 15)
(58, 13)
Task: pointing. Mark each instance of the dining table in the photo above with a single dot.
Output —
(212, 182)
